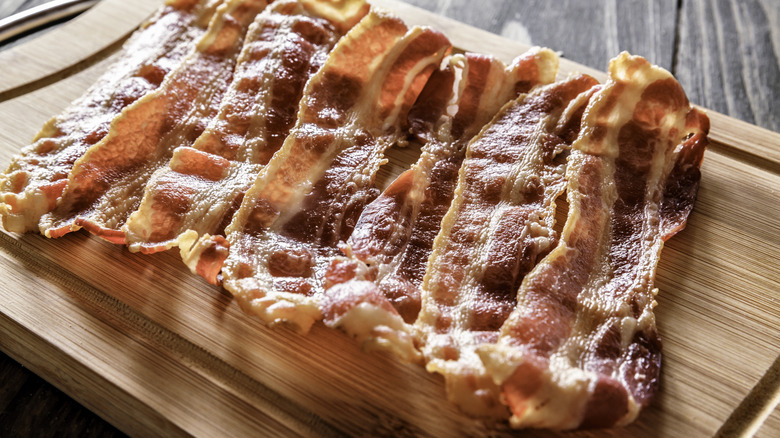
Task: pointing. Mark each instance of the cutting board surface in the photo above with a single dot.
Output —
(157, 350)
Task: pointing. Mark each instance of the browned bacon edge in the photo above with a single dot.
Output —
(107, 182)
(37, 176)
(499, 224)
(395, 233)
(308, 197)
(203, 185)
(581, 349)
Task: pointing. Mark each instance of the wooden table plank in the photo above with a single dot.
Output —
(589, 32)
(728, 57)
(725, 52)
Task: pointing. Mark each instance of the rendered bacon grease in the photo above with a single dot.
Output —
(249, 135)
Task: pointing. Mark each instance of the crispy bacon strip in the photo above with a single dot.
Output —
(581, 349)
(310, 194)
(498, 225)
(395, 233)
(203, 185)
(107, 182)
(37, 176)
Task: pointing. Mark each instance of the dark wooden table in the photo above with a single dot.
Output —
(724, 53)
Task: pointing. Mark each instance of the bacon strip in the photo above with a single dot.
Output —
(203, 185)
(107, 182)
(395, 233)
(581, 349)
(499, 224)
(37, 176)
(310, 194)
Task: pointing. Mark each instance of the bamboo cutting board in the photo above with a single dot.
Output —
(157, 351)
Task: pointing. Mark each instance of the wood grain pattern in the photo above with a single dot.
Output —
(771, 426)
(724, 52)
(728, 58)
(151, 348)
(56, 55)
(588, 32)
(763, 398)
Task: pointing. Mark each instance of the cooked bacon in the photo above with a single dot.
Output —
(395, 233)
(107, 182)
(203, 185)
(37, 176)
(307, 199)
(581, 349)
(208, 159)
(498, 225)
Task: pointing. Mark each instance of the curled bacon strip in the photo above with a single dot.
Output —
(499, 224)
(310, 194)
(106, 184)
(581, 349)
(575, 347)
(37, 176)
(203, 185)
(395, 233)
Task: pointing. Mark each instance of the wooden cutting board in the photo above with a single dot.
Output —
(158, 351)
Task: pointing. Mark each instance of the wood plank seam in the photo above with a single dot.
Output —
(106, 306)
(676, 39)
(463, 37)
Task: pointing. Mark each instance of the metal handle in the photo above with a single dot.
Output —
(41, 15)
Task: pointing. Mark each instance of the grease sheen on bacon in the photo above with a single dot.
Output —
(581, 349)
(395, 233)
(308, 198)
(107, 183)
(569, 342)
(204, 184)
(498, 225)
(37, 176)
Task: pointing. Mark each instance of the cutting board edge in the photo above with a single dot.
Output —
(45, 338)
(63, 60)
(69, 375)
(773, 136)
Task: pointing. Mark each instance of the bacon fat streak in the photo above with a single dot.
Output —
(37, 176)
(498, 225)
(204, 184)
(250, 135)
(308, 197)
(107, 183)
(581, 348)
(395, 233)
